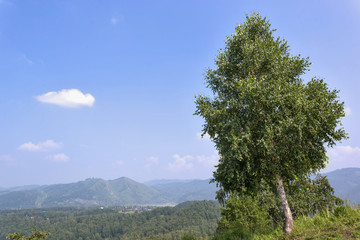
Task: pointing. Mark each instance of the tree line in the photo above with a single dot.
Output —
(196, 218)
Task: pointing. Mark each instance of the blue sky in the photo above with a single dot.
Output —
(106, 88)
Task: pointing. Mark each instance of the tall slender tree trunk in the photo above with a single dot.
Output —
(289, 222)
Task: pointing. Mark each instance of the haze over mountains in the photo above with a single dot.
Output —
(124, 191)
(99, 192)
(346, 183)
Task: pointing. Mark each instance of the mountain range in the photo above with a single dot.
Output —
(124, 191)
(346, 183)
(100, 192)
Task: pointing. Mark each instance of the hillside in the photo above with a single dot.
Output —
(187, 191)
(198, 218)
(91, 192)
(124, 191)
(99, 192)
(342, 223)
(346, 183)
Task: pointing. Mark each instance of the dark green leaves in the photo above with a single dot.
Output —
(262, 117)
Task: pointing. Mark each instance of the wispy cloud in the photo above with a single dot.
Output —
(151, 161)
(114, 20)
(343, 157)
(41, 146)
(119, 163)
(347, 111)
(71, 98)
(7, 158)
(208, 161)
(181, 163)
(189, 162)
(60, 157)
(25, 58)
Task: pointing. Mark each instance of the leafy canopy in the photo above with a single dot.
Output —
(36, 235)
(258, 213)
(263, 118)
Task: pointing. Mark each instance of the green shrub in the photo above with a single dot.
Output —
(242, 218)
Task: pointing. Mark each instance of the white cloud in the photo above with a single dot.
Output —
(7, 158)
(188, 162)
(119, 163)
(150, 161)
(41, 146)
(188, 166)
(343, 157)
(347, 111)
(67, 98)
(208, 161)
(181, 163)
(114, 20)
(25, 58)
(60, 157)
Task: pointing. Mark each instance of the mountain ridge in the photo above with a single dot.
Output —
(125, 191)
(100, 192)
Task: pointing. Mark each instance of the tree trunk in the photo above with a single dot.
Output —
(289, 222)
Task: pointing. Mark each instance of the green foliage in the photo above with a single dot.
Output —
(188, 237)
(99, 192)
(308, 197)
(341, 223)
(268, 126)
(245, 216)
(36, 235)
(196, 218)
(262, 117)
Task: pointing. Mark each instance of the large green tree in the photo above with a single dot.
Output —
(268, 125)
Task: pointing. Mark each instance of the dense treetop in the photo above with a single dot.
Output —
(264, 119)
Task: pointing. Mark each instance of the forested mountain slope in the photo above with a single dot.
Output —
(99, 192)
(124, 191)
(198, 218)
(91, 192)
(346, 183)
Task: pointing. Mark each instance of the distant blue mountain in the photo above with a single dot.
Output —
(346, 183)
(124, 191)
(99, 192)
(180, 191)
(166, 181)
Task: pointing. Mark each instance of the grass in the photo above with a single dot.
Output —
(342, 223)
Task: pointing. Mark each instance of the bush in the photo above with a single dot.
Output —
(242, 218)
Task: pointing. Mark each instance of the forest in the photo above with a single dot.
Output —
(198, 218)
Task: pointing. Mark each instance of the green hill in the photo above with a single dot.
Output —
(124, 191)
(99, 192)
(187, 191)
(196, 218)
(91, 192)
(346, 183)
